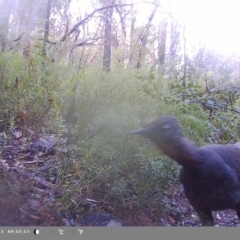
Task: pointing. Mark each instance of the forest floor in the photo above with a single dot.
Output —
(23, 167)
(182, 214)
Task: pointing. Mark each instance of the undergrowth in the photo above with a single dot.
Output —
(95, 112)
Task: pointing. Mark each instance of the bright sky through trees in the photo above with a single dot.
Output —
(214, 23)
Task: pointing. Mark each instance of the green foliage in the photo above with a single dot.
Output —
(27, 98)
(117, 168)
(96, 112)
(211, 82)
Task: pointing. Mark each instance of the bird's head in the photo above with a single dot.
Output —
(162, 130)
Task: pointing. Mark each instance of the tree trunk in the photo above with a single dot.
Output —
(162, 44)
(5, 12)
(143, 39)
(46, 28)
(108, 40)
(46, 31)
(132, 42)
(175, 40)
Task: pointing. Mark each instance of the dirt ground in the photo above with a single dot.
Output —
(17, 163)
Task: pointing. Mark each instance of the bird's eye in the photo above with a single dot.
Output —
(166, 126)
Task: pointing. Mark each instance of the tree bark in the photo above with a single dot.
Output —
(108, 40)
(46, 28)
(162, 44)
(5, 12)
(143, 39)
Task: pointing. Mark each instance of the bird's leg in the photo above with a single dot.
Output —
(205, 217)
(238, 211)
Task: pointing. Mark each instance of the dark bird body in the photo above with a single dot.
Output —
(210, 174)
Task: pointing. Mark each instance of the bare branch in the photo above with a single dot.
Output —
(19, 38)
(88, 17)
(86, 43)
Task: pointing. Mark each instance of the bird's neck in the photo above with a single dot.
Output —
(182, 151)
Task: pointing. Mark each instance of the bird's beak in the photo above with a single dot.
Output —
(140, 131)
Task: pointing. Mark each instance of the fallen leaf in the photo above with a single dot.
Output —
(218, 217)
(171, 219)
